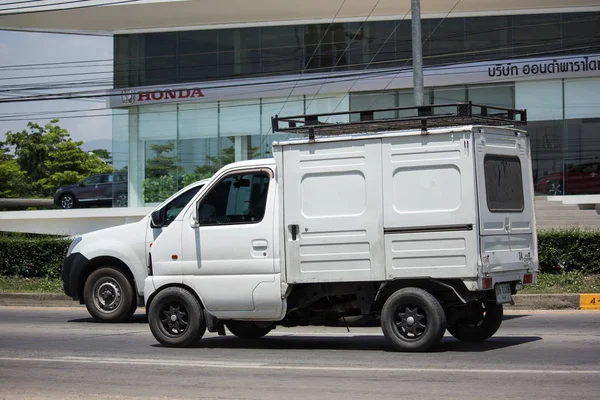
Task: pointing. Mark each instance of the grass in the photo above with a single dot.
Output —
(567, 282)
(36, 285)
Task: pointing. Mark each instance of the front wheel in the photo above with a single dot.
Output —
(247, 330)
(175, 318)
(413, 320)
(482, 324)
(67, 201)
(109, 296)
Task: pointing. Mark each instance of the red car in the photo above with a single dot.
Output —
(580, 179)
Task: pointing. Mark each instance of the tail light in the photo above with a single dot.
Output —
(527, 279)
(486, 283)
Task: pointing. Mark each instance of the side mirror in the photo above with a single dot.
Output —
(156, 218)
(81, 184)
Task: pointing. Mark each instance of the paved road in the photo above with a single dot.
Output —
(62, 354)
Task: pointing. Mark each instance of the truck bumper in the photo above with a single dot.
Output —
(71, 274)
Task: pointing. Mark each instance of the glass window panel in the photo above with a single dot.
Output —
(499, 96)
(581, 98)
(487, 37)
(449, 96)
(197, 55)
(158, 122)
(380, 43)
(542, 99)
(447, 41)
(199, 120)
(280, 106)
(282, 48)
(373, 101)
(160, 58)
(239, 118)
(534, 34)
(329, 103)
(577, 31)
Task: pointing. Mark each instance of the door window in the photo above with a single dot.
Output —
(236, 199)
(172, 210)
(94, 180)
(503, 183)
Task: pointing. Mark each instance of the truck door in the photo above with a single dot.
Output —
(228, 255)
(333, 211)
(506, 215)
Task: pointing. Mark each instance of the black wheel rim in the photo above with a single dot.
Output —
(174, 319)
(410, 321)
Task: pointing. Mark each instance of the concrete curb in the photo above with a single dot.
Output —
(522, 301)
(566, 301)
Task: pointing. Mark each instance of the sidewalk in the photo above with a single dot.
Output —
(522, 301)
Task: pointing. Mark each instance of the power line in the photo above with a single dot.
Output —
(585, 17)
(230, 84)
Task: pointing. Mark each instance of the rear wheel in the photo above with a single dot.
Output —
(109, 296)
(247, 329)
(413, 320)
(121, 200)
(175, 318)
(482, 324)
(555, 188)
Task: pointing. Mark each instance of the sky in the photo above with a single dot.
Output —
(38, 51)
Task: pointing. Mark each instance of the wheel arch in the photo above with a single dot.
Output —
(172, 285)
(448, 291)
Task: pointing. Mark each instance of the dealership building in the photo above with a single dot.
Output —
(196, 82)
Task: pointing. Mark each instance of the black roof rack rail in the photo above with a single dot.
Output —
(420, 117)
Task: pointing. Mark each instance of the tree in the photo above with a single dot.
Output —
(11, 175)
(49, 158)
(103, 154)
(163, 163)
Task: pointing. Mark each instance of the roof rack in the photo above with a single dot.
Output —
(420, 117)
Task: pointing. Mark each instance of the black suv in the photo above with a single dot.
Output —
(95, 190)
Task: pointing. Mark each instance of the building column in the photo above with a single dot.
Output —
(135, 164)
(241, 148)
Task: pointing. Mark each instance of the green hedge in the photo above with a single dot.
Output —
(32, 255)
(40, 256)
(574, 249)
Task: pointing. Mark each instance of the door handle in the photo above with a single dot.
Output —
(260, 245)
(294, 229)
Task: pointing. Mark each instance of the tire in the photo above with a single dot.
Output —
(484, 322)
(413, 320)
(67, 201)
(109, 296)
(121, 200)
(247, 330)
(176, 319)
(555, 188)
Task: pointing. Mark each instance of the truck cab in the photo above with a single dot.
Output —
(430, 229)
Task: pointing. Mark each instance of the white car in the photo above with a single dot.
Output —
(105, 269)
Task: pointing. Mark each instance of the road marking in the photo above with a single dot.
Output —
(590, 301)
(242, 365)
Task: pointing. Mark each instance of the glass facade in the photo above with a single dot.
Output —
(190, 56)
(167, 146)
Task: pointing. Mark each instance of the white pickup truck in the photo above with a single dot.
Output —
(429, 229)
(105, 269)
